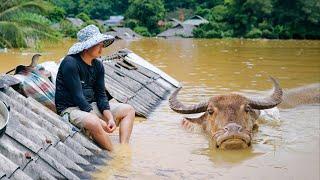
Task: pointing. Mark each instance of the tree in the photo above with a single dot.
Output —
(147, 13)
(96, 9)
(21, 23)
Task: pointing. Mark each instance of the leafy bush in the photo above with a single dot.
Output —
(198, 33)
(68, 29)
(213, 34)
(84, 17)
(254, 33)
(142, 31)
(282, 32)
(131, 23)
(57, 14)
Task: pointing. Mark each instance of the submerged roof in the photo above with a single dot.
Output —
(123, 33)
(75, 21)
(180, 30)
(174, 22)
(195, 21)
(134, 84)
(39, 144)
(114, 21)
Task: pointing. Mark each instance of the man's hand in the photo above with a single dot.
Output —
(111, 126)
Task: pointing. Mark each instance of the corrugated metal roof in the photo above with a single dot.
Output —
(174, 22)
(195, 21)
(180, 30)
(123, 33)
(39, 144)
(75, 21)
(133, 84)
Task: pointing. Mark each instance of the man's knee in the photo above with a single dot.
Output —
(93, 124)
(128, 109)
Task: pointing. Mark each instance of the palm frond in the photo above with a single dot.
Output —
(6, 4)
(5, 43)
(11, 32)
(31, 6)
(32, 20)
(34, 35)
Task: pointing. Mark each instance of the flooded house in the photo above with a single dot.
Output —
(174, 22)
(183, 29)
(114, 21)
(123, 33)
(100, 21)
(195, 21)
(180, 30)
(75, 21)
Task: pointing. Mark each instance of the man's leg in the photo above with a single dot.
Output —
(95, 126)
(124, 115)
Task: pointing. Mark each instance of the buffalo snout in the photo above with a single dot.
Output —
(233, 127)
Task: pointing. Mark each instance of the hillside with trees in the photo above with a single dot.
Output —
(22, 21)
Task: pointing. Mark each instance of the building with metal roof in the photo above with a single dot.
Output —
(183, 29)
(180, 30)
(114, 21)
(75, 21)
(196, 21)
(174, 22)
(123, 33)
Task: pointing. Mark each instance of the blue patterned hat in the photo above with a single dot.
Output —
(88, 37)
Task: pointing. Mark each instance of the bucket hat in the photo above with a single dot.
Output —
(88, 37)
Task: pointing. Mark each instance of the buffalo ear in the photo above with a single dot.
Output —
(198, 120)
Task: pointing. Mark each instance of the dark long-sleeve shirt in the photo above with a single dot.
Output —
(79, 84)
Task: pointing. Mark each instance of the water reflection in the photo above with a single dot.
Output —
(226, 158)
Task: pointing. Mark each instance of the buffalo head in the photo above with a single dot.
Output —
(229, 119)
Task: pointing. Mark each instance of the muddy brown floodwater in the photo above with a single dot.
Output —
(161, 149)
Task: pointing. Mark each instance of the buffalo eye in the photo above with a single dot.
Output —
(210, 111)
(247, 108)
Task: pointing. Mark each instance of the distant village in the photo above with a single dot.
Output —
(115, 25)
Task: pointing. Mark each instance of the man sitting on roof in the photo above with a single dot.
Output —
(81, 94)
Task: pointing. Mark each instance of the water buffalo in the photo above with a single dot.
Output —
(229, 119)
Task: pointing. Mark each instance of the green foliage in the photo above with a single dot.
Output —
(254, 33)
(272, 19)
(204, 12)
(87, 21)
(83, 16)
(131, 23)
(22, 23)
(68, 29)
(147, 13)
(96, 9)
(143, 31)
(57, 14)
